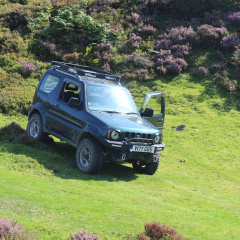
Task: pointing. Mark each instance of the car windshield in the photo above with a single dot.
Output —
(114, 99)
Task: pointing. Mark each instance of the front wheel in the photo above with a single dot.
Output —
(146, 168)
(35, 127)
(89, 156)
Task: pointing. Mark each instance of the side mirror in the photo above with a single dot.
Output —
(148, 112)
(74, 102)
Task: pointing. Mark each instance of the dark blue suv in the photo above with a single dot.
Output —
(89, 109)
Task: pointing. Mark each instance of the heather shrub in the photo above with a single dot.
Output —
(126, 75)
(104, 54)
(164, 44)
(216, 67)
(157, 231)
(16, 19)
(83, 235)
(135, 17)
(182, 35)
(209, 35)
(133, 42)
(12, 230)
(143, 75)
(46, 50)
(180, 51)
(134, 37)
(230, 41)
(202, 72)
(161, 56)
(146, 31)
(142, 236)
(11, 42)
(233, 18)
(103, 6)
(107, 14)
(173, 47)
(41, 68)
(215, 18)
(222, 78)
(27, 68)
(165, 62)
(139, 61)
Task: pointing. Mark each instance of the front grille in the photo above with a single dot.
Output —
(138, 137)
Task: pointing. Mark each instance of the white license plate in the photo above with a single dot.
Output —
(147, 149)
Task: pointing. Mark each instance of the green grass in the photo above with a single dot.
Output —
(195, 190)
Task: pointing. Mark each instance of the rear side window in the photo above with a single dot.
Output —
(49, 83)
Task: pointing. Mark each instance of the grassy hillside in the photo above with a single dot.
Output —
(195, 190)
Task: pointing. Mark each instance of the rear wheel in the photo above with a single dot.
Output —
(89, 156)
(35, 127)
(146, 168)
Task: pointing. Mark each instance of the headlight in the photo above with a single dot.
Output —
(157, 139)
(115, 135)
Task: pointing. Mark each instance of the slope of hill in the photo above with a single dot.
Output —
(195, 189)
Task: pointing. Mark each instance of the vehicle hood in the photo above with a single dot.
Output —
(126, 123)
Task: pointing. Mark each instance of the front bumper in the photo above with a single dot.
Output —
(125, 148)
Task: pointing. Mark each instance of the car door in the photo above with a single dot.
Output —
(67, 117)
(155, 101)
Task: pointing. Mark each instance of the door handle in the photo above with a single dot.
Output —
(56, 106)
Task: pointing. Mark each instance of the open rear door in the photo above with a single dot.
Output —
(156, 101)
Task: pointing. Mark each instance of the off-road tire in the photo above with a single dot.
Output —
(89, 156)
(145, 168)
(35, 128)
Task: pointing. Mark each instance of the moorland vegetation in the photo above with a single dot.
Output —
(139, 40)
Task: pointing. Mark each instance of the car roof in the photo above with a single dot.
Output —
(87, 80)
(86, 73)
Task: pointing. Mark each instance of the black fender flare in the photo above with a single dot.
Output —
(39, 109)
(89, 131)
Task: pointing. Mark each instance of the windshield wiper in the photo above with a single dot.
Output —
(131, 113)
(111, 111)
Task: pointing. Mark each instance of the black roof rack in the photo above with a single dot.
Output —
(86, 71)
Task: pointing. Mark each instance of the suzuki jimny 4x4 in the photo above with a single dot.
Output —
(89, 109)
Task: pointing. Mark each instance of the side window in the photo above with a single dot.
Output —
(49, 83)
(70, 90)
